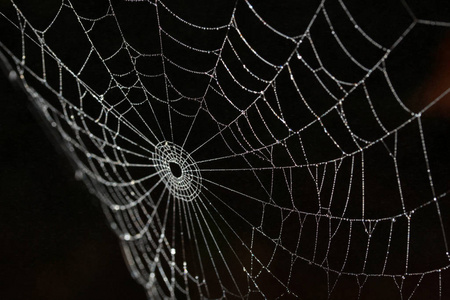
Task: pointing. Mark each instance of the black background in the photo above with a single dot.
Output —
(55, 242)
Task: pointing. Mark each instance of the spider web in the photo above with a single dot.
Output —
(248, 150)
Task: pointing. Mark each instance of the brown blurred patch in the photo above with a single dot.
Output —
(437, 84)
(67, 276)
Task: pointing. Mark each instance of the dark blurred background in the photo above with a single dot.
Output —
(55, 242)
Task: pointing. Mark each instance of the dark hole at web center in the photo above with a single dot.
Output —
(175, 169)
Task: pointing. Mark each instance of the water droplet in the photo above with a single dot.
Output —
(12, 75)
(78, 175)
